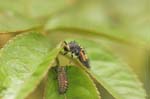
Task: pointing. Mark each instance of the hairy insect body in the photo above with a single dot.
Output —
(78, 51)
(62, 79)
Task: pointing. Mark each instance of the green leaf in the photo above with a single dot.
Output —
(80, 85)
(141, 30)
(39, 74)
(20, 57)
(88, 18)
(17, 6)
(10, 22)
(114, 75)
(35, 8)
(40, 8)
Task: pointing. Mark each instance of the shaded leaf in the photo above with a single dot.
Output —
(131, 17)
(9, 22)
(40, 8)
(80, 86)
(35, 8)
(140, 29)
(17, 6)
(89, 18)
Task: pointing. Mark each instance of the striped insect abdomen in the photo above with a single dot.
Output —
(62, 80)
(83, 58)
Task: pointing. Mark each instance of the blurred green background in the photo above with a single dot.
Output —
(120, 22)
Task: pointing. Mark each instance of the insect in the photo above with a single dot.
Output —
(62, 79)
(78, 51)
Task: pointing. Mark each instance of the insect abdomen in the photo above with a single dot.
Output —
(83, 59)
(62, 80)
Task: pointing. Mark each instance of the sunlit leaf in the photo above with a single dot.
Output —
(80, 86)
(19, 59)
(115, 76)
(39, 74)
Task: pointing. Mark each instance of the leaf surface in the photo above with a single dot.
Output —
(90, 19)
(113, 74)
(20, 57)
(10, 22)
(35, 8)
(80, 85)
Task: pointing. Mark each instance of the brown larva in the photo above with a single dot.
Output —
(62, 79)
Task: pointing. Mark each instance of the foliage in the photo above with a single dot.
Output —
(41, 27)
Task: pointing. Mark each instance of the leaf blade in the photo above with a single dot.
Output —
(80, 86)
(19, 59)
(39, 74)
(88, 18)
(10, 22)
(114, 75)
